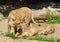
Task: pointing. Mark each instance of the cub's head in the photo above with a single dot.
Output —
(50, 29)
(47, 30)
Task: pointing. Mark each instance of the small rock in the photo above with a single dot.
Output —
(2, 39)
(7, 39)
(18, 40)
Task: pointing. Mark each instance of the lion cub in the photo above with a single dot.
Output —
(17, 17)
(32, 30)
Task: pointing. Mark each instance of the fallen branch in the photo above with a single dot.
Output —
(42, 13)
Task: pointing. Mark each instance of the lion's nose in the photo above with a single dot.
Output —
(18, 23)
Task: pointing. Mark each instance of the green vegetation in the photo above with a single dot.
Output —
(2, 18)
(10, 35)
(40, 38)
(58, 40)
(53, 18)
(36, 37)
(1, 33)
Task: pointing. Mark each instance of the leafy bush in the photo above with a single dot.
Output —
(52, 18)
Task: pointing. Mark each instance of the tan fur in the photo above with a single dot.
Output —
(30, 31)
(18, 17)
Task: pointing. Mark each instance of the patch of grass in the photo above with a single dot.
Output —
(10, 35)
(2, 18)
(52, 18)
(58, 40)
(36, 37)
(40, 38)
(1, 33)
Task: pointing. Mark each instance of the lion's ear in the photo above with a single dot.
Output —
(12, 17)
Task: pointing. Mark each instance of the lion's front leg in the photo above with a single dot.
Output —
(9, 28)
(15, 29)
(12, 30)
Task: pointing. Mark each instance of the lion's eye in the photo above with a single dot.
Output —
(13, 19)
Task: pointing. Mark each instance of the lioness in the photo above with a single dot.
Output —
(32, 30)
(18, 17)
